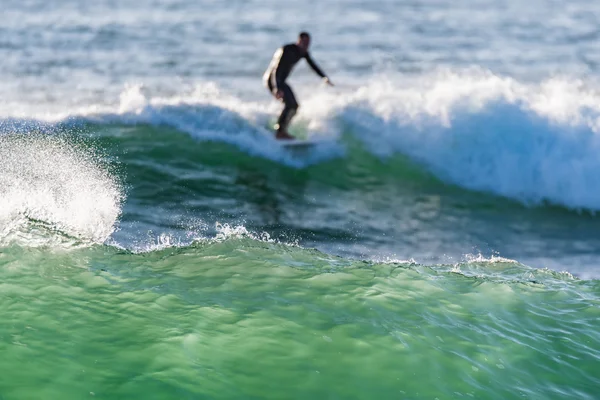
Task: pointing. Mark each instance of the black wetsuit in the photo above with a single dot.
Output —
(282, 64)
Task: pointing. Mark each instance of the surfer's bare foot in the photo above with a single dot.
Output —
(283, 135)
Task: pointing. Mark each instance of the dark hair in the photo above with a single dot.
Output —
(303, 35)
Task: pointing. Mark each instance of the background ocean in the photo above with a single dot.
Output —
(442, 241)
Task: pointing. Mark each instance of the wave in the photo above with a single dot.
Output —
(534, 143)
(531, 143)
(506, 330)
(235, 241)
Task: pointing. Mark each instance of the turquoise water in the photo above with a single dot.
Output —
(441, 241)
(241, 318)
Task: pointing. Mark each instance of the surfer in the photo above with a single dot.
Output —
(284, 60)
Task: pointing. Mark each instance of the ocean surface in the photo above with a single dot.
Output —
(442, 241)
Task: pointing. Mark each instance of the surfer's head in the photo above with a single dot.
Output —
(304, 40)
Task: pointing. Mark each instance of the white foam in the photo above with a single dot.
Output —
(529, 142)
(208, 114)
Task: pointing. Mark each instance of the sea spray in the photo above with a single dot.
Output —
(52, 183)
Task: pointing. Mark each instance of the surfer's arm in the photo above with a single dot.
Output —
(316, 68)
(275, 68)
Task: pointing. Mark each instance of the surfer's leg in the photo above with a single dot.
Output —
(281, 133)
(289, 110)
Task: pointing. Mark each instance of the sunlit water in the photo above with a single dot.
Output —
(440, 242)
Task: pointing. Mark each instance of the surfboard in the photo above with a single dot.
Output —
(299, 131)
(297, 143)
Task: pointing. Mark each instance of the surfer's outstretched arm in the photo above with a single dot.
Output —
(317, 70)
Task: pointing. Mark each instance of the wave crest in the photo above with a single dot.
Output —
(531, 142)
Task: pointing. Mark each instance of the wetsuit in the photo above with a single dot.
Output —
(282, 64)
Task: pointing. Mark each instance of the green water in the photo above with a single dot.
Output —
(146, 270)
(242, 318)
